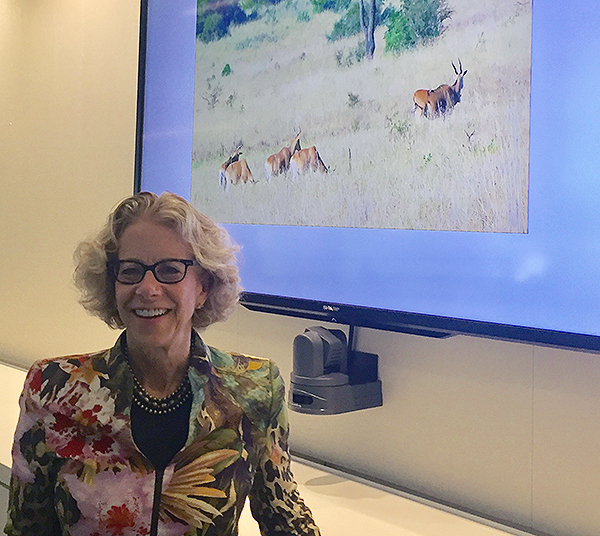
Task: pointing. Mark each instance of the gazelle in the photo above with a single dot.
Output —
(436, 102)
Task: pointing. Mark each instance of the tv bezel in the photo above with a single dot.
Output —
(425, 325)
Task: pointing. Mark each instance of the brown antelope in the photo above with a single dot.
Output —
(235, 156)
(234, 170)
(238, 172)
(307, 160)
(279, 163)
(436, 102)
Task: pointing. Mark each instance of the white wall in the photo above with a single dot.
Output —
(505, 429)
(68, 90)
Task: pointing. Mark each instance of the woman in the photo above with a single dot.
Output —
(159, 434)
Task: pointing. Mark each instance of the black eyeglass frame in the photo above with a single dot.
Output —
(114, 265)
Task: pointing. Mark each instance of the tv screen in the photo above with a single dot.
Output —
(431, 169)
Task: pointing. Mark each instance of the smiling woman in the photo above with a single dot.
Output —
(160, 434)
(158, 315)
(210, 245)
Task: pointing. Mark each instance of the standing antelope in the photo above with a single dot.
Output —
(235, 170)
(436, 102)
(307, 160)
(239, 172)
(279, 163)
(235, 156)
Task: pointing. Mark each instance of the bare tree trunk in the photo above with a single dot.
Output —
(367, 11)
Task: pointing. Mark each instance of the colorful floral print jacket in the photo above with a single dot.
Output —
(77, 471)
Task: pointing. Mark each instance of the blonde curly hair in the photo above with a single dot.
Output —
(213, 248)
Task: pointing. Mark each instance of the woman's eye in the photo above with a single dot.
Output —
(129, 272)
(170, 269)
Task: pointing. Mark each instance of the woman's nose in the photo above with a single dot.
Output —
(148, 285)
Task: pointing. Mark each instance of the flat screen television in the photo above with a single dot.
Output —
(477, 215)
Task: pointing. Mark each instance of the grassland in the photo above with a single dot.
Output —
(467, 171)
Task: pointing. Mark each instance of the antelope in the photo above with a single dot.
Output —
(436, 102)
(234, 170)
(235, 156)
(238, 171)
(307, 160)
(279, 163)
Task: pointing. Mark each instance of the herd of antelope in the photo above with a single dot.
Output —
(291, 158)
(429, 103)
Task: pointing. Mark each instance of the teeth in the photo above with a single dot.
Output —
(149, 313)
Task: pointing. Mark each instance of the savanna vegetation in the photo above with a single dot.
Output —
(413, 22)
(304, 65)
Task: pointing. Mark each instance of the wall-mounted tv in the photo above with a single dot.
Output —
(427, 166)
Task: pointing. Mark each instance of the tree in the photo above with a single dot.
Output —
(367, 14)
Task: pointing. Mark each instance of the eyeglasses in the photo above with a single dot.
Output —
(168, 271)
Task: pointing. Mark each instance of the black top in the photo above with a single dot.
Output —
(160, 437)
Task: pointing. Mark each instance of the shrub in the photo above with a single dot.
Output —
(417, 21)
(353, 100)
(213, 24)
(303, 16)
(399, 35)
(333, 5)
(348, 25)
(426, 17)
(355, 55)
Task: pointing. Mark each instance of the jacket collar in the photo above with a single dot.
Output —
(200, 354)
(199, 357)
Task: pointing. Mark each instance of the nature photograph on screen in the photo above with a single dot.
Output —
(398, 114)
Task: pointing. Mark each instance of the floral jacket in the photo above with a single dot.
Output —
(77, 471)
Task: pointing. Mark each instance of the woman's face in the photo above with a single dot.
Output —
(157, 315)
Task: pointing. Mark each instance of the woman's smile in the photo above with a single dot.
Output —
(150, 313)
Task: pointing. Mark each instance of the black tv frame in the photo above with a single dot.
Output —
(141, 97)
(438, 327)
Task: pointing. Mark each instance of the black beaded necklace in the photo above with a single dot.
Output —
(155, 405)
(161, 406)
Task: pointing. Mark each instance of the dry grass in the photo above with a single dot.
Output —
(467, 171)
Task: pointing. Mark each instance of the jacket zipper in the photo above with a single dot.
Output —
(158, 482)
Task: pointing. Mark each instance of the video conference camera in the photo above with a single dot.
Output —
(329, 378)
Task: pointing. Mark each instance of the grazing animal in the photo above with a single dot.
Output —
(436, 102)
(233, 158)
(234, 171)
(239, 172)
(279, 163)
(307, 160)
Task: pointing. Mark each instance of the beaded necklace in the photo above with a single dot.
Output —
(161, 406)
(155, 405)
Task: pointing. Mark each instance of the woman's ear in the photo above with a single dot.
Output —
(201, 298)
(205, 284)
